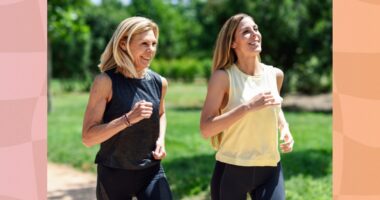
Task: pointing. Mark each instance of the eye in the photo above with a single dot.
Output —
(256, 28)
(154, 44)
(246, 32)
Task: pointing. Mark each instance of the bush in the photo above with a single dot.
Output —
(184, 69)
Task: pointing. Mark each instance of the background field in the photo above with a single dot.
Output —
(190, 159)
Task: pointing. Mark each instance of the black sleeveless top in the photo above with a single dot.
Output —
(132, 147)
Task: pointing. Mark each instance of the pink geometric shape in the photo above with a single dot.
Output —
(39, 119)
(359, 74)
(16, 118)
(357, 197)
(21, 27)
(9, 2)
(7, 198)
(337, 161)
(360, 173)
(40, 167)
(373, 2)
(357, 23)
(337, 117)
(360, 120)
(25, 75)
(17, 172)
(23, 45)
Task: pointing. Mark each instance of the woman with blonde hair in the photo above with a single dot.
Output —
(242, 115)
(126, 116)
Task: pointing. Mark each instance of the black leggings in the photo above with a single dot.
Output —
(121, 184)
(231, 182)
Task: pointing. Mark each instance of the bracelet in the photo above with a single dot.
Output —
(126, 120)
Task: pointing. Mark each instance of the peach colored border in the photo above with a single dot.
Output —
(23, 101)
(356, 95)
(356, 61)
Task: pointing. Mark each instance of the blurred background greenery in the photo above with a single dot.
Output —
(296, 38)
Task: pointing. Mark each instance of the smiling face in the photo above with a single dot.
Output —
(143, 48)
(247, 38)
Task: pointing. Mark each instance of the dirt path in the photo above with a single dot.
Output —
(67, 183)
(321, 102)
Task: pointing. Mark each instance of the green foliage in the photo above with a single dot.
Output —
(177, 32)
(184, 69)
(103, 21)
(62, 86)
(69, 39)
(297, 36)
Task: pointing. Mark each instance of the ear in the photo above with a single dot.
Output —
(123, 45)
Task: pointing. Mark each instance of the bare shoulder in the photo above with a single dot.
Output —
(279, 73)
(219, 81)
(279, 77)
(102, 78)
(102, 86)
(164, 82)
(219, 77)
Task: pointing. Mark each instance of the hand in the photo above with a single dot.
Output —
(141, 110)
(262, 100)
(286, 136)
(159, 153)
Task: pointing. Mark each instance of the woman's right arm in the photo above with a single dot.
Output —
(94, 131)
(212, 123)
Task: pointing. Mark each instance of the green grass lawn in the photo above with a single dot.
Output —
(190, 159)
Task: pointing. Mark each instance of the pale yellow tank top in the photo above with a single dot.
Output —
(252, 140)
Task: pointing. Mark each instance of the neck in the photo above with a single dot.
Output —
(250, 66)
(139, 74)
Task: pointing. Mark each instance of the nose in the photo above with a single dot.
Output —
(151, 48)
(255, 35)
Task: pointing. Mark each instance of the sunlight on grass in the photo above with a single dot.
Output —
(190, 159)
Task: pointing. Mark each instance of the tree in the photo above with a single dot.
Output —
(69, 37)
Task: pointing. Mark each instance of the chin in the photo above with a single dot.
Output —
(143, 66)
(257, 50)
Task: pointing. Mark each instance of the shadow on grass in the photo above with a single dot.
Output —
(185, 108)
(288, 109)
(191, 175)
(296, 109)
(312, 162)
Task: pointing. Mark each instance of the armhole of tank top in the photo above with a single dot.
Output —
(229, 90)
(160, 85)
(110, 97)
(271, 73)
(158, 79)
(275, 79)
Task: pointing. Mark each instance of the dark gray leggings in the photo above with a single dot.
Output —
(121, 184)
(231, 182)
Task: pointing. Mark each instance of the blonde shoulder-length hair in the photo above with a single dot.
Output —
(224, 56)
(114, 56)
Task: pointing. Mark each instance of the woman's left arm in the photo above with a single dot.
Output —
(285, 135)
(160, 152)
